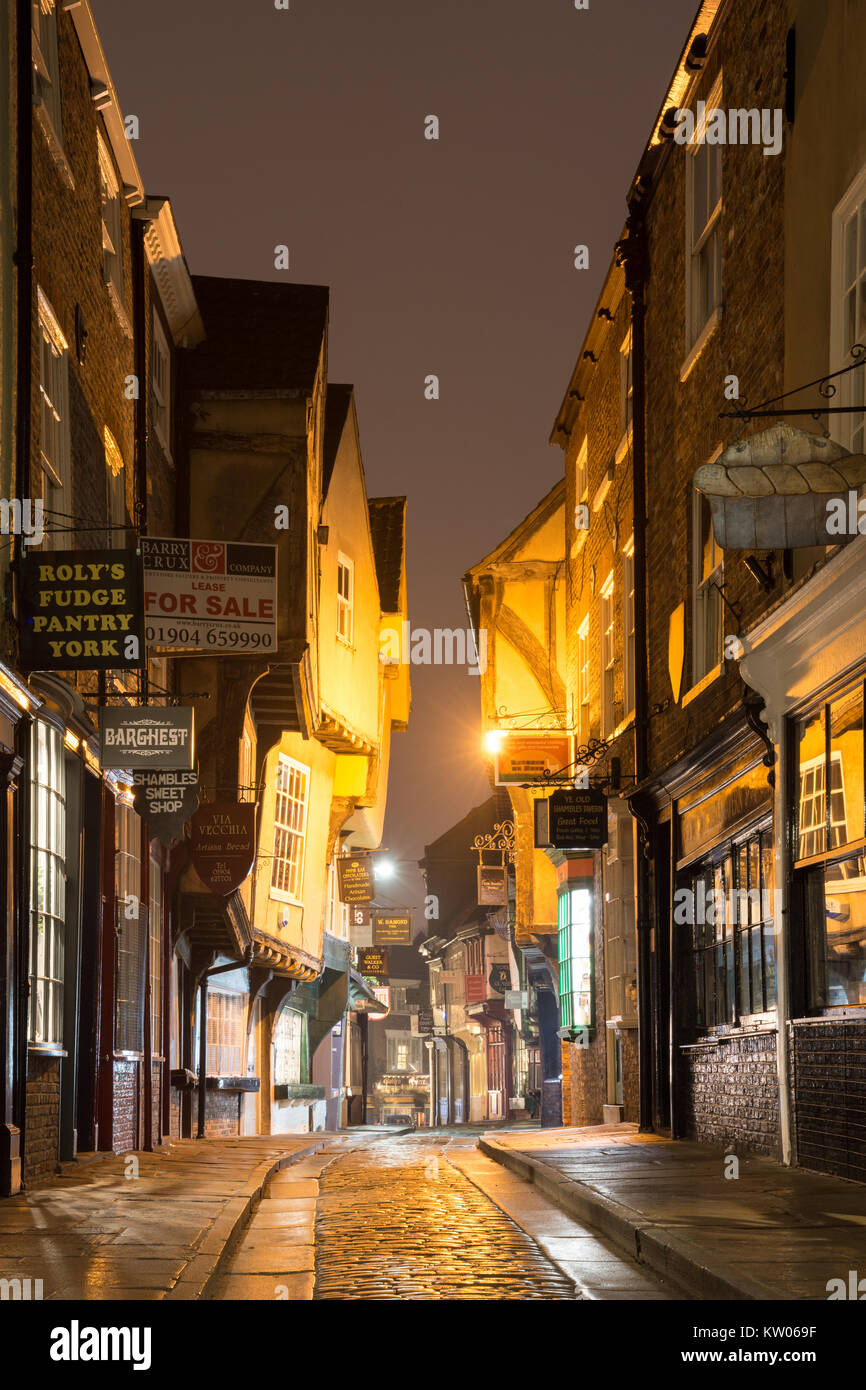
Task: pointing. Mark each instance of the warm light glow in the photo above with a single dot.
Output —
(18, 695)
(493, 740)
(72, 741)
(384, 868)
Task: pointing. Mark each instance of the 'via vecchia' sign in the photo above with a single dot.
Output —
(139, 736)
(222, 837)
(81, 610)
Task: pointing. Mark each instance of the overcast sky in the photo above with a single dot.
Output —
(452, 257)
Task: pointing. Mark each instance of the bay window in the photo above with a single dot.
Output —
(575, 958)
(47, 885)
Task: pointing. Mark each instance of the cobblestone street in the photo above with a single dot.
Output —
(419, 1216)
(397, 1221)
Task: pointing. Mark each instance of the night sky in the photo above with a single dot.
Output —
(454, 257)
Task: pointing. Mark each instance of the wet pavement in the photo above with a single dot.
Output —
(396, 1220)
(420, 1216)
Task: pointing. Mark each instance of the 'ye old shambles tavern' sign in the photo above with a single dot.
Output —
(81, 610)
(573, 818)
(137, 736)
(222, 846)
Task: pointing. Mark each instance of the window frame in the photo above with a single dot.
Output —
(55, 457)
(46, 62)
(295, 867)
(345, 603)
(160, 384)
(629, 648)
(697, 242)
(849, 429)
(567, 924)
(131, 932)
(705, 591)
(47, 816)
(607, 653)
(584, 671)
(111, 213)
(721, 943)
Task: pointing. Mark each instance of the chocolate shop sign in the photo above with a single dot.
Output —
(146, 736)
(81, 610)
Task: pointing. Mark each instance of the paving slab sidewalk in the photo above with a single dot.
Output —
(160, 1227)
(771, 1233)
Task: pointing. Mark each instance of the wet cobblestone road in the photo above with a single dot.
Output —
(396, 1221)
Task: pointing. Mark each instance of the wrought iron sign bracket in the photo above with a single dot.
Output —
(825, 388)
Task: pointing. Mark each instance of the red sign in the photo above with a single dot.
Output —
(223, 844)
(475, 990)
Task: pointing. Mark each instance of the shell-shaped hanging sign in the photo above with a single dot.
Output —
(779, 488)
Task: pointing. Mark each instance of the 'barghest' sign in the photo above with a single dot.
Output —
(139, 736)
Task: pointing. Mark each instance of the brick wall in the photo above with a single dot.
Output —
(731, 1095)
(176, 1100)
(126, 1106)
(43, 1117)
(829, 1080)
(223, 1116)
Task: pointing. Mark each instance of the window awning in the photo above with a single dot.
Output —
(774, 490)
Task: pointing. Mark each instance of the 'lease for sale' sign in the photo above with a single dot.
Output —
(210, 596)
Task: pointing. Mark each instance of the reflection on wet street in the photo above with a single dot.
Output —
(397, 1221)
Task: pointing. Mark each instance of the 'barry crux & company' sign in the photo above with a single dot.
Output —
(138, 736)
(81, 610)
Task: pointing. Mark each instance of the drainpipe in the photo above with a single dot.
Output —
(202, 1031)
(633, 254)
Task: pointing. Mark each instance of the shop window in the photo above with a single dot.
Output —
(703, 228)
(226, 1031)
(54, 453)
(726, 905)
(290, 828)
(835, 899)
(131, 928)
(47, 885)
(830, 809)
(575, 958)
(288, 1048)
(345, 599)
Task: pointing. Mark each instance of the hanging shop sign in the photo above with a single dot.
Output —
(81, 610)
(499, 978)
(492, 885)
(392, 928)
(139, 736)
(516, 999)
(572, 818)
(210, 596)
(373, 961)
(355, 878)
(360, 925)
(222, 837)
(530, 757)
(166, 800)
(425, 1020)
(476, 991)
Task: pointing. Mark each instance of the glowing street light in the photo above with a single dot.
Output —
(493, 740)
(384, 868)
